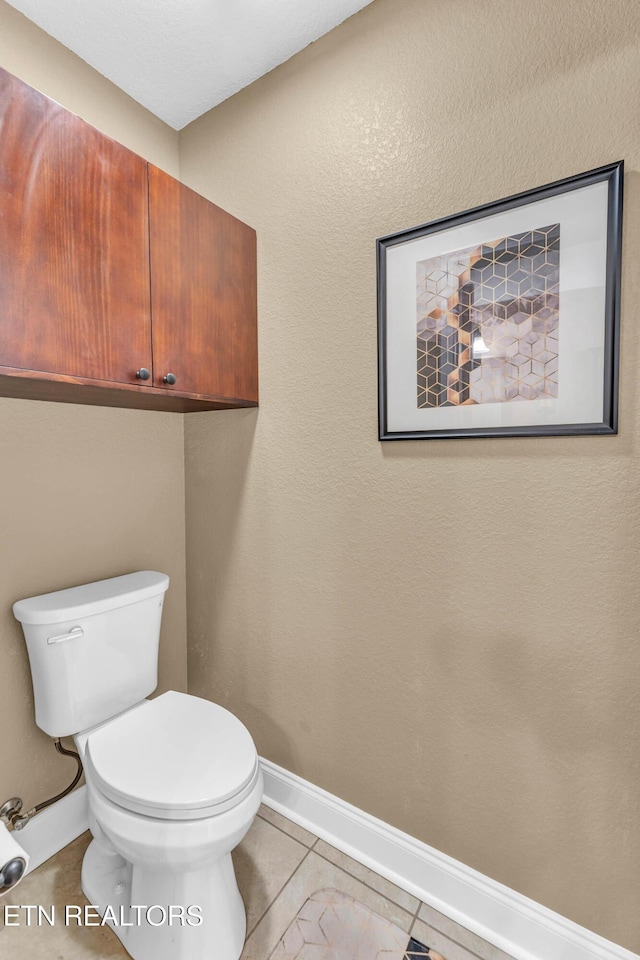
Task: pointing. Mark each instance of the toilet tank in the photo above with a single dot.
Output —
(93, 649)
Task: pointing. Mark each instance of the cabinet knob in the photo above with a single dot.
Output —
(143, 373)
(169, 378)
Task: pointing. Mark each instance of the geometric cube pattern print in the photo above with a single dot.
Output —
(488, 321)
(333, 926)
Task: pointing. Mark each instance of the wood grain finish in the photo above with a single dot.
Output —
(203, 293)
(92, 238)
(73, 243)
(32, 385)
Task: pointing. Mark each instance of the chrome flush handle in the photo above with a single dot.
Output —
(73, 633)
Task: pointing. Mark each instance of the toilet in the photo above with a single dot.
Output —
(173, 783)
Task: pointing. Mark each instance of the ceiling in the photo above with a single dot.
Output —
(179, 58)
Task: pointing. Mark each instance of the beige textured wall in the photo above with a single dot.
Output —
(85, 492)
(444, 633)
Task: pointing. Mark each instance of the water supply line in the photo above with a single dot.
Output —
(10, 810)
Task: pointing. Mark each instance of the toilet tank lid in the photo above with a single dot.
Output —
(89, 599)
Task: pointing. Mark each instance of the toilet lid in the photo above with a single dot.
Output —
(177, 757)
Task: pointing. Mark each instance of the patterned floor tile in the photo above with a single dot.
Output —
(415, 949)
(333, 926)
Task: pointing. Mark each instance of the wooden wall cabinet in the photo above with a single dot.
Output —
(203, 293)
(110, 268)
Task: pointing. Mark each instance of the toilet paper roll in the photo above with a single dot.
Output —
(13, 861)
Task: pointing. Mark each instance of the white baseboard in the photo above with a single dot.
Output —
(521, 927)
(54, 827)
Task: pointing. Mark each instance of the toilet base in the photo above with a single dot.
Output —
(169, 904)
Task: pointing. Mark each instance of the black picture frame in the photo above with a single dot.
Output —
(527, 264)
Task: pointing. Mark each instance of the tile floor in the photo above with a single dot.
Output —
(279, 865)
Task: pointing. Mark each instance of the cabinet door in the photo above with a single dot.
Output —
(203, 294)
(74, 291)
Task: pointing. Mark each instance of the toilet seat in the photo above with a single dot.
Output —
(177, 757)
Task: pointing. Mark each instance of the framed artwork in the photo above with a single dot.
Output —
(503, 320)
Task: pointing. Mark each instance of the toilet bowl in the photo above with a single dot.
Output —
(173, 783)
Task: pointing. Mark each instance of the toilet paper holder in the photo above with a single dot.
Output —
(13, 860)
